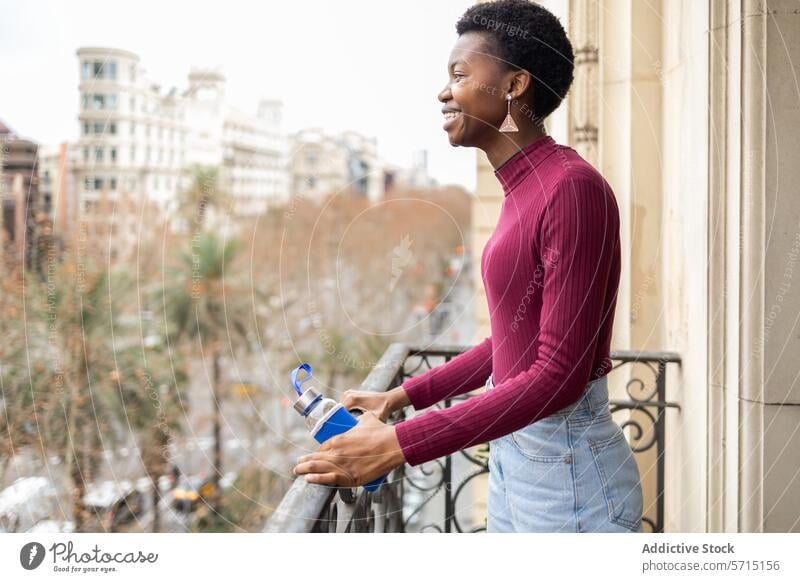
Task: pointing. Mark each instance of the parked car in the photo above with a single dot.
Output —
(190, 492)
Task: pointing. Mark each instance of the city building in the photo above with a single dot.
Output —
(19, 193)
(413, 177)
(139, 139)
(321, 165)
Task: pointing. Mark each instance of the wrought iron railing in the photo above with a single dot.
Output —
(426, 498)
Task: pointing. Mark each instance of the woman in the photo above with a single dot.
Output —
(551, 269)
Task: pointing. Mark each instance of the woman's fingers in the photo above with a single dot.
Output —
(354, 400)
(350, 402)
(323, 469)
(324, 479)
(314, 466)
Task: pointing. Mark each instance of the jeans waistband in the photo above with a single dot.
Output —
(593, 400)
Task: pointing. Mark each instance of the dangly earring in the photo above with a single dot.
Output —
(508, 123)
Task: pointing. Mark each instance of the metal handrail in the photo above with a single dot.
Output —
(303, 504)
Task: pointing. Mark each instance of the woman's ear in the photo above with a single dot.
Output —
(521, 85)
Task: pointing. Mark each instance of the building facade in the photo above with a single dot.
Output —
(321, 165)
(138, 139)
(415, 176)
(19, 193)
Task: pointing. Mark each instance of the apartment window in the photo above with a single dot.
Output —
(98, 127)
(87, 70)
(133, 154)
(87, 129)
(98, 69)
(133, 73)
(133, 128)
(113, 154)
(160, 155)
(85, 100)
(112, 70)
(98, 154)
(113, 184)
(85, 154)
(147, 155)
(133, 104)
(87, 183)
(98, 183)
(112, 128)
(111, 101)
(98, 101)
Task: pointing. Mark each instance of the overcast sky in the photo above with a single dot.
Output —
(371, 66)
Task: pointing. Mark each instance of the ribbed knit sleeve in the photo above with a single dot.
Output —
(580, 223)
(465, 372)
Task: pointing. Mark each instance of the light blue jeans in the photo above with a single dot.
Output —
(573, 471)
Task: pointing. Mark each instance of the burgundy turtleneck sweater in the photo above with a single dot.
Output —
(551, 271)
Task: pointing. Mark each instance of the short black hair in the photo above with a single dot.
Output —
(524, 35)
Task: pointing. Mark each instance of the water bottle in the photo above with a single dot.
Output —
(325, 417)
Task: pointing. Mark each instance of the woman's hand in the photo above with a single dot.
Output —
(381, 404)
(365, 452)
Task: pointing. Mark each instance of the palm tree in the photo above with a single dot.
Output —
(203, 194)
(204, 302)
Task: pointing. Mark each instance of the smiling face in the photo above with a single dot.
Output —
(475, 95)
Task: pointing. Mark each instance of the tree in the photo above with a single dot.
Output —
(70, 329)
(206, 304)
(75, 377)
(203, 194)
(150, 400)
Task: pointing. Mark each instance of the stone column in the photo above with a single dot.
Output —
(769, 303)
(755, 55)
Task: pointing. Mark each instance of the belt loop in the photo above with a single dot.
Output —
(590, 397)
(596, 402)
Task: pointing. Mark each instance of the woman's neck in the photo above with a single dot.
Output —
(505, 145)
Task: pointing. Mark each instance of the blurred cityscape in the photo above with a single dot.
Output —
(164, 272)
(167, 265)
